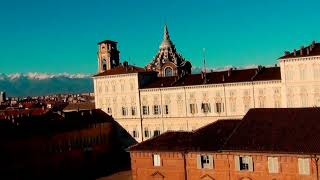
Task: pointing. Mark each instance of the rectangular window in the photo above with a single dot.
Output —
(304, 166)
(146, 132)
(205, 107)
(273, 165)
(109, 110)
(133, 111)
(261, 103)
(205, 161)
(290, 101)
(302, 74)
(233, 105)
(316, 72)
(219, 107)
(277, 103)
(145, 110)
(156, 132)
(243, 163)
(156, 109)
(135, 133)
(166, 109)
(124, 111)
(193, 108)
(156, 160)
(304, 100)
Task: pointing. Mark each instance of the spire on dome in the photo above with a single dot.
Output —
(166, 33)
(166, 42)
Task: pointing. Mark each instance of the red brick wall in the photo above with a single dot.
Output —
(172, 166)
(224, 167)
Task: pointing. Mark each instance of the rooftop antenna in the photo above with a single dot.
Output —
(204, 65)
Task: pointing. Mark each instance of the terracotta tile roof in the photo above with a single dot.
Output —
(79, 106)
(313, 49)
(231, 76)
(51, 123)
(290, 130)
(197, 140)
(217, 132)
(265, 130)
(168, 141)
(21, 112)
(121, 69)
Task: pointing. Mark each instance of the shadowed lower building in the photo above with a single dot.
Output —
(272, 144)
(54, 145)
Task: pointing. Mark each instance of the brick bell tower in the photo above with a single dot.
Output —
(108, 55)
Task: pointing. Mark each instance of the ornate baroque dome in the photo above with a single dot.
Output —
(168, 62)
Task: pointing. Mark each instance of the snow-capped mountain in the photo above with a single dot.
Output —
(197, 70)
(33, 84)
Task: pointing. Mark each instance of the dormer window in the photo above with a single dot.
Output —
(168, 72)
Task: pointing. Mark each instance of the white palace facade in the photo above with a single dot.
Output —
(164, 95)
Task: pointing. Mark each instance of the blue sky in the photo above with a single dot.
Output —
(61, 35)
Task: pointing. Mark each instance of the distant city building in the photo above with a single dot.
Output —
(274, 143)
(149, 101)
(2, 96)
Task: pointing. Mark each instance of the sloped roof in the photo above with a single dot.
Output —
(290, 130)
(231, 76)
(51, 123)
(79, 106)
(121, 69)
(313, 49)
(168, 141)
(265, 130)
(197, 140)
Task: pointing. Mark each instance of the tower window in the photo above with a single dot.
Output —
(168, 72)
(104, 65)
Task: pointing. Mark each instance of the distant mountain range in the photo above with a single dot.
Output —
(35, 84)
(38, 84)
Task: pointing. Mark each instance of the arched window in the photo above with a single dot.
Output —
(104, 65)
(168, 72)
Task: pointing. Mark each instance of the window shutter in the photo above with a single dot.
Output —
(306, 166)
(276, 164)
(237, 163)
(250, 163)
(210, 162)
(300, 165)
(270, 165)
(199, 161)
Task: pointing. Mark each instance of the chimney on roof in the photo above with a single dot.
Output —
(314, 42)
(286, 53)
(229, 72)
(301, 50)
(295, 52)
(125, 63)
(308, 51)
